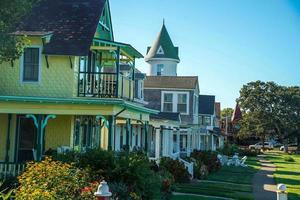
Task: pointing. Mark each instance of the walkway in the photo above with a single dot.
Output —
(264, 187)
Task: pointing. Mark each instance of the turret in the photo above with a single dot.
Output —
(162, 56)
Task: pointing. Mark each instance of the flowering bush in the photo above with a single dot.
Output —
(176, 168)
(50, 179)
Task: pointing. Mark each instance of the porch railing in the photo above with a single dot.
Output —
(9, 169)
(104, 85)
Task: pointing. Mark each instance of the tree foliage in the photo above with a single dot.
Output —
(226, 112)
(11, 11)
(269, 110)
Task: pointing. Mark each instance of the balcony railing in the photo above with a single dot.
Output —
(9, 169)
(105, 85)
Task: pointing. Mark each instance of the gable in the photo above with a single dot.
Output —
(104, 28)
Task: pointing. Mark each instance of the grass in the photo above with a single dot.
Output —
(287, 172)
(236, 183)
(188, 197)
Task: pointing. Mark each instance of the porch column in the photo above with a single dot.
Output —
(146, 130)
(118, 72)
(40, 123)
(212, 142)
(8, 138)
(188, 149)
(128, 124)
(157, 143)
(111, 130)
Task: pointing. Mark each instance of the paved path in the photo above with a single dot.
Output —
(264, 187)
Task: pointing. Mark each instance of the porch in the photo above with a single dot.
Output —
(30, 130)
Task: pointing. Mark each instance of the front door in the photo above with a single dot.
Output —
(26, 137)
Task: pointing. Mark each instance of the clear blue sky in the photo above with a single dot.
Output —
(227, 43)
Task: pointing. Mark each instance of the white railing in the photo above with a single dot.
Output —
(189, 166)
(8, 169)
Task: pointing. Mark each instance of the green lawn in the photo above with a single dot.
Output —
(287, 172)
(186, 197)
(241, 177)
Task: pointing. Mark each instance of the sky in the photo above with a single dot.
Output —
(227, 43)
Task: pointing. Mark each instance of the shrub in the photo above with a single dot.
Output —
(200, 170)
(249, 152)
(289, 159)
(134, 170)
(50, 179)
(176, 168)
(208, 158)
(5, 193)
(129, 173)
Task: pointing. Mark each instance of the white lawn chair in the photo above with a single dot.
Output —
(243, 160)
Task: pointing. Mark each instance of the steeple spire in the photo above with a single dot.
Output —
(163, 46)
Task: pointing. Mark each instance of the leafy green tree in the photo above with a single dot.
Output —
(11, 11)
(226, 112)
(258, 101)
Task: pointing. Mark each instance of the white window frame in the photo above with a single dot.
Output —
(175, 101)
(161, 67)
(22, 66)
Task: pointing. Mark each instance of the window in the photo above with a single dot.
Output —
(207, 120)
(168, 102)
(173, 101)
(182, 103)
(160, 69)
(31, 64)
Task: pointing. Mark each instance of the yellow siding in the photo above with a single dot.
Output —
(3, 133)
(56, 81)
(58, 132)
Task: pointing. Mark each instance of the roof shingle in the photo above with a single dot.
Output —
(73, 23)
(176, 82)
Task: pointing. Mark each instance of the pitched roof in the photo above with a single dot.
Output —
(73, 23)
(167, 115)
(163, 43)
(237, 114)
(175, 82)
(206, 104)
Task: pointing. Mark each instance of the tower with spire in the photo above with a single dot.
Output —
(162, 56)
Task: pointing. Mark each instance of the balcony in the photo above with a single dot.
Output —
(105, 85)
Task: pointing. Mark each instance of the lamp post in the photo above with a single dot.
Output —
(281, 192)
(103, 192)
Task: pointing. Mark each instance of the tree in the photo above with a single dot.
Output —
(270, 110)
(257, 101)
(11, 11)
(226, 112)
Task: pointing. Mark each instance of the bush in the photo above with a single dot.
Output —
(176, 168)
(249, 152)
(208, 158)
(289, 159)
(129, 173)
(50, 179)
(200, 170)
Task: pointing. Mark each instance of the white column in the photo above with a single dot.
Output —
(188, 144)
(157, 143)
(212, 142)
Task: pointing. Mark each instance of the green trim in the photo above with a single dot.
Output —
(125, 47)
(96, 101)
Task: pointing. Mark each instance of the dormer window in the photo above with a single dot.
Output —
(30, 64)
(160, 69)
